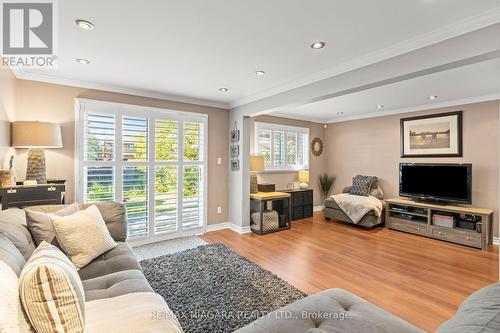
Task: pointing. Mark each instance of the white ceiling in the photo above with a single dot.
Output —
(471, 83)
(187, 50)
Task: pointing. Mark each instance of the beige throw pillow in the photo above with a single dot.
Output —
(83, 236)
(51, 292)
(12, 316)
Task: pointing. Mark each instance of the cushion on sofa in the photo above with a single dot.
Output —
(51, 292)
(479, 313)
(83, 235)
(333, 310)
(13, 226)
(121, 258)
(113, 213)
(12, 317)
(115, 284)
(361, 185)
(144, 312)
(40, 223)
(10, 255)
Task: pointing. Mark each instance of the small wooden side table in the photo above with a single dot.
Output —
(280, 202)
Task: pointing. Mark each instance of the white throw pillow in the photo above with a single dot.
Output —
(83, 236)
(12, 316)
(51, 292)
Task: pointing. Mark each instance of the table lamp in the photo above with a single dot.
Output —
(36, 136)
(304, 178)
(256, 165)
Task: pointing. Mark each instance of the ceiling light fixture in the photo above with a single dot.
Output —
(318, 45)
(432, 97)
(380, 106)
(260, 73)
(340, 113)
(223, 89)
(85, 25)
(83, 61)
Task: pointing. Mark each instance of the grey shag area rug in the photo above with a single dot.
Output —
(213, 289)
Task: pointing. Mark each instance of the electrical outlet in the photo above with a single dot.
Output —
(219, 210)
(219, 160)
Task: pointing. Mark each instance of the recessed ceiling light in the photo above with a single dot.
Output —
(380, 106)
(432, 97)
(260, 73)
(223, 89)
(83, 61)
(318, 45)
(340, 113)
(85, 25)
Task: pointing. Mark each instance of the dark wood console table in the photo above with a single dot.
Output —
(19, 195)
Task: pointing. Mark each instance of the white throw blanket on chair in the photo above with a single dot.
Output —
(356, 206)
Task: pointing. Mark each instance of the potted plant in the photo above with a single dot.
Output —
(326, 181)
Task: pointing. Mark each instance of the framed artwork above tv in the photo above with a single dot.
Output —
(438, 135)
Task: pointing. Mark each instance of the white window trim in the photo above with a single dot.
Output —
(120, 109)
(285, 128)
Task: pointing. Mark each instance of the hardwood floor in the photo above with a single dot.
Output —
(418, 279)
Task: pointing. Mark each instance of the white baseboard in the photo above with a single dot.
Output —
(496, 241)
(318, 208)
(228, 225)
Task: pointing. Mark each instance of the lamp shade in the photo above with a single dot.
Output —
(30, 134)
(304, 176)
(256, 163)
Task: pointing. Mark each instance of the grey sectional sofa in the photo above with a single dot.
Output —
(117, 273)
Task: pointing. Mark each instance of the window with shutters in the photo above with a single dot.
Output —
(285, 148)
(152, 160)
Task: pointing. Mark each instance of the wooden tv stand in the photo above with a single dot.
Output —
(421, 222)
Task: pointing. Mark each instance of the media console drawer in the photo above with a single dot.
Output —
(403, 225)
(455, 236)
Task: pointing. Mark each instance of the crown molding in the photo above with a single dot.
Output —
(424, 107)
(23, 74)
(456, 29)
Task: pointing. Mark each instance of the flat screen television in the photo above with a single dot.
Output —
(440, 183)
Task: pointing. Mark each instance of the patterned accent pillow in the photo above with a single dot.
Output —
(374, 181)
(361, 185)
(51, 292)
(83, 236)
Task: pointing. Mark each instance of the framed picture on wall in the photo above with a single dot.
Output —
(438, 135)
(235, 165)
(235, 151)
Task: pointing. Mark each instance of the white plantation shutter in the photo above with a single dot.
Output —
(152, 160)
(166, 192)
(99, 137)
(283, 147)
(192, 205)
(99, 183)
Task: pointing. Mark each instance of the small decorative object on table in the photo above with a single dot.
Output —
(6, 178)
(304, 179)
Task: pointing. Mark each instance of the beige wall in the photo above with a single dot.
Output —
(55, 103)
(7, 107)
(372, 147)
(316, 164)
